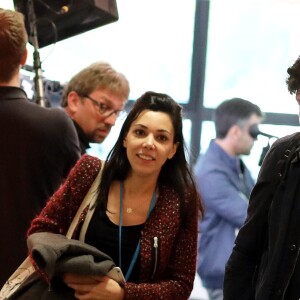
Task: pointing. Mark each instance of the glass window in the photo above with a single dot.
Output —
(251, 43)
(151, 44)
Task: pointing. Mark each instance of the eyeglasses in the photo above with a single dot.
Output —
(104, 109)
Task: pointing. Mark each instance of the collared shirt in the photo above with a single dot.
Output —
(225, 190)
(231, 161)
(236, 164)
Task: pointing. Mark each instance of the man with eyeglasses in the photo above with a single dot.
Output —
(225, 184)
(94, 98)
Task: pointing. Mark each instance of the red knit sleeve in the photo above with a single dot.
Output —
(178, 253)
(61, 208)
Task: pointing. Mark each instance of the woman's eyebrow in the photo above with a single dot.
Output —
(159, 130)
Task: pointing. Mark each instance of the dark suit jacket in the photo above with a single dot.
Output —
(38, 146)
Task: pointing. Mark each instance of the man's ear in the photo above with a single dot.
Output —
(73, 102)
(234, 131)
(24, 58)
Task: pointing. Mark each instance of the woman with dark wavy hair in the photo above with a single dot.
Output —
(147, 209)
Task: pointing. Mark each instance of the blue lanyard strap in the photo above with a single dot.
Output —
(137, 250)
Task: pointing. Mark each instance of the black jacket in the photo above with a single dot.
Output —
(83, 139)
(263, 264)
(38, 148)
(53, 255)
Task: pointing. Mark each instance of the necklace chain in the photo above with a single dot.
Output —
(130, 210)
(137, 250)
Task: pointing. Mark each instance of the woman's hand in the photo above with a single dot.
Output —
(88, 287)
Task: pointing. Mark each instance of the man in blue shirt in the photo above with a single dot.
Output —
(225, 184)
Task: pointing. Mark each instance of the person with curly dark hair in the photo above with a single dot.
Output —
(293, 80)
(265, 262)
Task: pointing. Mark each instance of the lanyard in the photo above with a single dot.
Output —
(137, 250)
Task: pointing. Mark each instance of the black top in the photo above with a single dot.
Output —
(104, 235)
(83, 139)
(38, 147)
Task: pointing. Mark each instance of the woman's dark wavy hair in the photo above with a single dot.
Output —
(175, 172)
(293, 80)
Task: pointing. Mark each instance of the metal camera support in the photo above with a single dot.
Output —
(67, 18)
(38, 79)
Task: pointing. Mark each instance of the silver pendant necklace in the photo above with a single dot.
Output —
(129, 210)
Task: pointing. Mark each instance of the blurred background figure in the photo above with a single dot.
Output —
(94, 98)
(39, 146)
(225, 184)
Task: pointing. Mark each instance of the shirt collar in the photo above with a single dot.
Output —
(12, 93)
(231, 161)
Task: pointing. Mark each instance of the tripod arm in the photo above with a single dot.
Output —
(38, 79)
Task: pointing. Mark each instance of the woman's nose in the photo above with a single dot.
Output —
(149, 143)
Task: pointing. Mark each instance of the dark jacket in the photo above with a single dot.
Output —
(83, 139)
(167, 272)
(38, 148)
(267, 247)
(54, 254)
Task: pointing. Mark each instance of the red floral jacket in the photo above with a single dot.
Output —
(172, 276)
